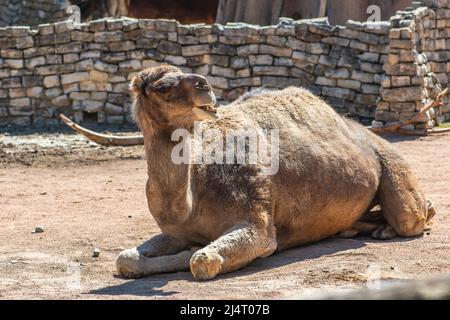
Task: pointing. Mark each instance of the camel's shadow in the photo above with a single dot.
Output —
(149, 286)
(152, 285)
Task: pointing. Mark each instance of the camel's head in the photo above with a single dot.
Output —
(172, 98)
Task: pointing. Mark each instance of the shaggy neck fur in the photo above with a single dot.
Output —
(168, 184)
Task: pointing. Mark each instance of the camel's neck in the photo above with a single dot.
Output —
(168, 188)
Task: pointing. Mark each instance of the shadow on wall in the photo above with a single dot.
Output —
(339, 11)
(266, 12)
(186, 12)
(260, 12)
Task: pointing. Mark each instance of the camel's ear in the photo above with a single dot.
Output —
(137, 86)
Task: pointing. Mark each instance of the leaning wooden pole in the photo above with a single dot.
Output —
(105, 140)
(396, 127)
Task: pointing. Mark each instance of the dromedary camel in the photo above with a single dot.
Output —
(332, 173)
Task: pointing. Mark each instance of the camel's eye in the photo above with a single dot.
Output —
(202, 85)
(164, 85)
(163, 88)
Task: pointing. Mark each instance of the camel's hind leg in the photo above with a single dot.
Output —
(402, 202)
(359, 228)
(371, 221)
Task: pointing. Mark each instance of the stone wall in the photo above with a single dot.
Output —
(86, 71)
(417, 67)
(54, 69)
(31, 12)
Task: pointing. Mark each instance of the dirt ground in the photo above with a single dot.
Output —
(87, 197)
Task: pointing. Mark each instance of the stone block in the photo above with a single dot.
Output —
(275, 51)
(113, 109)
(20, 102)
(260, 60)
(51, 81)
(13, 63)
(324, 81)
(218, 82)
(400, 81)
(340, 93)
(61, 101)
(222, 72)
(99, 76)
(340, 73)
(349, 84)
(175, 60)
(403, 94)
(74, 77)
(92, 106)
(170, 48)
(131, 65)
(195, 50)
(269, 71)
(106, 67)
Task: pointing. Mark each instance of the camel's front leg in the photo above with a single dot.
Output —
(160, 254)
(235, 249)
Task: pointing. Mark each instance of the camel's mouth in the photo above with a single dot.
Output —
(210, 108)
(206, 111)
(204, 106)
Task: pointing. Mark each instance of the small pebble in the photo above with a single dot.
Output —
(38, 229)
(96, 253)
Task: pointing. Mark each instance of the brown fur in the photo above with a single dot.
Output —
(332, 172)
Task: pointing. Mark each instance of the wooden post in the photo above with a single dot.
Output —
(226, 11)
(322, 8)
(262, 12)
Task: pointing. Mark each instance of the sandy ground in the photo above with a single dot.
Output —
(86, 197)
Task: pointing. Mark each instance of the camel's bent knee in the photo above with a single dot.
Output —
(127, 263)
(205, 265)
